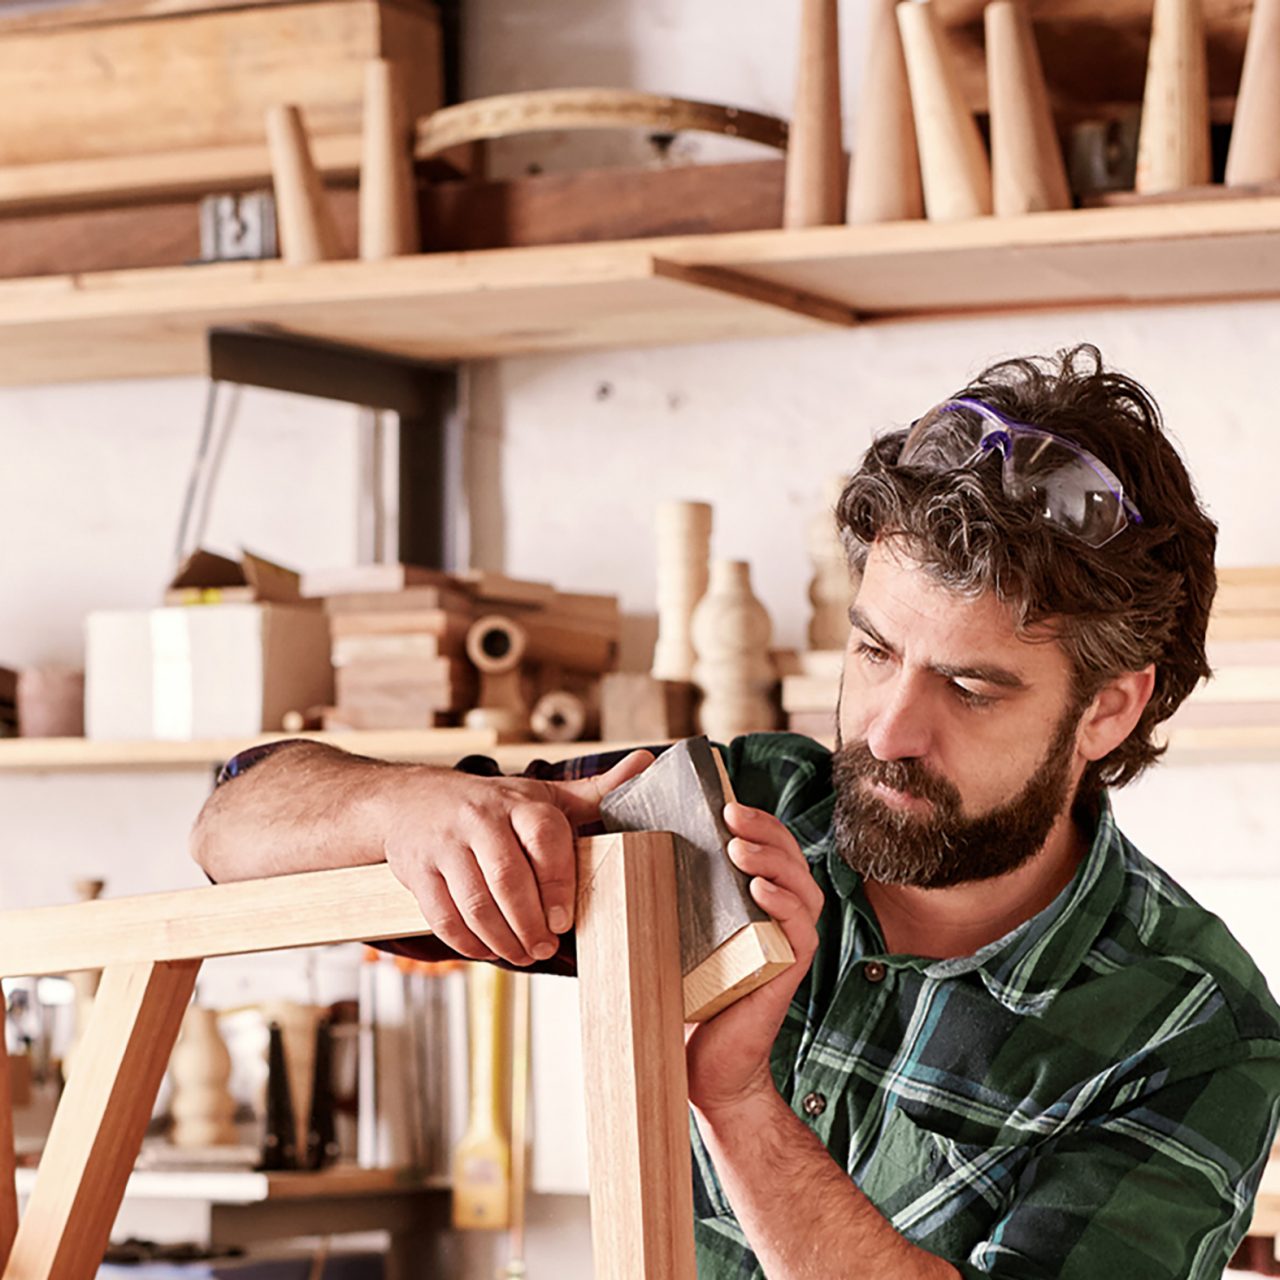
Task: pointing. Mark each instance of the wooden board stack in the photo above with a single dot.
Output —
(1239, 707)
(399, 641)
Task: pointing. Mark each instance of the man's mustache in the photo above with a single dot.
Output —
(855, 760)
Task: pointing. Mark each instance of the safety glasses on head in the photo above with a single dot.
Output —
(1072, 489)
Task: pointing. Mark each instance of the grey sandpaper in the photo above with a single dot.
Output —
(681, 792)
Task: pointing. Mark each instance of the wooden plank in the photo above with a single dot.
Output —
(203, 79)
(633, 1058)
(100, 1120)
(217, 920)
(555, 298)
(8, 1187)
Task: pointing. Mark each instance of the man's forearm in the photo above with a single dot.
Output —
(802, 1214)
(305, 807)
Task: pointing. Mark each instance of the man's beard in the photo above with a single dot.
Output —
(943, 847)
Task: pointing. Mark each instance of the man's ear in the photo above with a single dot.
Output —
(1109, 718)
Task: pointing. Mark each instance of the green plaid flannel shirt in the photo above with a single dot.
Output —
(1091, 1097)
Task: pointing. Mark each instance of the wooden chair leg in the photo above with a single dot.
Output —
(637, 1092)
(100, 1121)
(8, 1192)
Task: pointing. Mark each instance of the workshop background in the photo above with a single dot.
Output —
(558, 473)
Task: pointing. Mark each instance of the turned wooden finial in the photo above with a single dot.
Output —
(884, 174)
(954, 167)
(307, 231)
(388, 205)
(815, 185)
(1027, 171)
(684, 549)
(1254, 155)
(1173, 137)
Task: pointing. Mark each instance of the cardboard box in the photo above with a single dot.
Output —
(208, 671)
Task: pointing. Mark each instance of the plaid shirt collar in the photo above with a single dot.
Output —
(1026, 968)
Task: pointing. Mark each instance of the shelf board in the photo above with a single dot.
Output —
(424, 746)
(459, 306)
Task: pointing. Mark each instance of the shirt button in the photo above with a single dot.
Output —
(814, 1104)
(874, 971)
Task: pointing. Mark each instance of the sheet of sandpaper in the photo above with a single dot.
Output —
(681, 792)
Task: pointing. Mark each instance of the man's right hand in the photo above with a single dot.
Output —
(492, 861)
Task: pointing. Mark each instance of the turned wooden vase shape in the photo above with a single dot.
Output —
(733, 670)
(202, 1106)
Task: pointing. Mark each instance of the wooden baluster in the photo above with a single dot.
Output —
(637, 1092)
(99, 1124)
(1173, 138)
(954, 167)
(1027, 171)
(1254, 155)
(815, 184)
(884, 176)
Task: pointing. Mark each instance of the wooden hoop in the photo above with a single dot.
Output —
(515, 113)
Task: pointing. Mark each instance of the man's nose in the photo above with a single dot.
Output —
(900, 728)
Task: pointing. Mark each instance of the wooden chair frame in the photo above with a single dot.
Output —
(150, 949)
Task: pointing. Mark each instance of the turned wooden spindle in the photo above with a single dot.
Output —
(734, 671)
(306, 226)
(1027, 171)
(884, 175)
(831, 587)
(684, 549)
(388, 204)
(1173, 137)
(815, 184)
(203, 1109)
(954, 168)
(1254, 154)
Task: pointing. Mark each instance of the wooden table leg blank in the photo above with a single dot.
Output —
(637, 1092)
(100, 1120)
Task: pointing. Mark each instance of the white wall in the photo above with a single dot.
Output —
(567, 459)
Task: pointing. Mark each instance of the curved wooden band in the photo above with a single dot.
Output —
(515, 113)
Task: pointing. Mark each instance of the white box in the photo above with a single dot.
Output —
(203, 671)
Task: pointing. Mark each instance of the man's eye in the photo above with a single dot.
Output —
(972, 699)
(872, 654)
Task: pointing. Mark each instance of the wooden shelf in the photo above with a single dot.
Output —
(645, 292)
(426, 746)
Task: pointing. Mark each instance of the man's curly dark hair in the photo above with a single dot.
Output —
(1143, 597)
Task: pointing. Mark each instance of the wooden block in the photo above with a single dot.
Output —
(684, 791)
(388, 207)
(1027, 171)
(1254, 154)
(351, 650)
(810, 693)
(638, 707)
(954, 167)
(884, 178)
(101, 1118)
(637, 1092)
(816, 175)
(442, 624)
(306, 227)
(498, 588)
(1173, 138)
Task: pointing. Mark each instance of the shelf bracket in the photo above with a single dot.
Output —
(742, 285)
(423, 394)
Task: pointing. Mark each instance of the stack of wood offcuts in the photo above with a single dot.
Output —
(417, 648)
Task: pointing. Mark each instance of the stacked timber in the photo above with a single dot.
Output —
(417, 648)
(810, 689)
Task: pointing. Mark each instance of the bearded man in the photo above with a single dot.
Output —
(1011, 1046)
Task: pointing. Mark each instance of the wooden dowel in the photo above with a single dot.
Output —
(388, 210)
(637, 1092)
(1254, 154)
(815, 185)
(1027, 171)
(884, 174)
(1173, 137)
(100, 1120)
(954, 167)
(307, 231)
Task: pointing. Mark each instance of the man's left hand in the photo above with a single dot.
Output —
(728, 1055)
